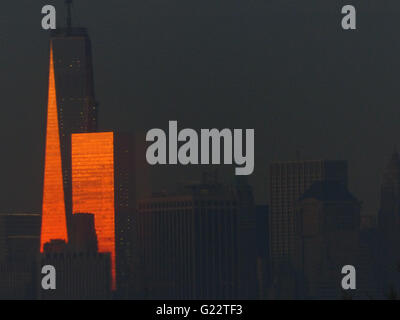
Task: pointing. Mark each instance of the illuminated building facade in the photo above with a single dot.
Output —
(71, 109)
(54, 224)
(102, 184)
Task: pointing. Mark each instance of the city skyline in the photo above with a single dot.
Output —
(324, 193)
(128, 100)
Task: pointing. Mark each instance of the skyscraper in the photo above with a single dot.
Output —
(54, 224)
(72, 108)
(103, 184)
(327, 225)
(19, 236)
(76, 103)
(288, 181)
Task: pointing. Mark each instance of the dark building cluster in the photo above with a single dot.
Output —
(204, 240)
(198, 242)
(317, 227)
(81, 271)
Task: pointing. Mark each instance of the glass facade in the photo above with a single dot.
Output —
(93, 185)
(54, 224)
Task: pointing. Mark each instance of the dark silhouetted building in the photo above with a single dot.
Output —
(19, 247)
(79, 275)
(81, 271)
(389, 213)
(76, 103)
(288, 181)
(389, 226)
(198, 243)
(327, 224)
(83, 233)
(19, 236)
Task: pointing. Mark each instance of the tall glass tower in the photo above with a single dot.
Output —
(72, 108)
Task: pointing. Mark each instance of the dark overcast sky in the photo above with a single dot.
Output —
(282, 67)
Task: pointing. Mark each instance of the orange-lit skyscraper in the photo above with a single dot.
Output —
(71, 109)
(54, 224)
(102, 184)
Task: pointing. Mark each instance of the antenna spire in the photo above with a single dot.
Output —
(68, 3)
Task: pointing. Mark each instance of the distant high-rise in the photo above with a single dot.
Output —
(72, 108)
(19, 236)
(288, 181)
(103, 184)
(327, 225)
(19, 247)
(76, 103)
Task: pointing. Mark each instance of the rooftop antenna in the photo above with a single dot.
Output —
(68, 3)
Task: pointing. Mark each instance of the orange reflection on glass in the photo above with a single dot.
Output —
(54, 224)
(93, 185)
